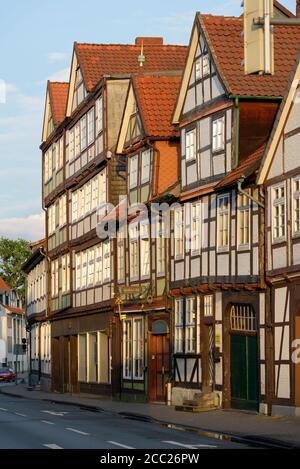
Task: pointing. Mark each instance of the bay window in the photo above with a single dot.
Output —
(279, 213)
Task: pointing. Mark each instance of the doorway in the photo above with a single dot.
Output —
(244, 358)
(159, 361)
(65, 365)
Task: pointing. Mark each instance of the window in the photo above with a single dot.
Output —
(121, 259)
(91, 267)
(208, 305)
(133, 235)
(77, 140)
(106, 257)
(65, 273)
(296, 206)
(243, 221)
(178, 231)
(133, 172)
(160, 246)
(74, 206)
(99, 115)
(82, 353)
(223, 222)
(279, 216)
(146, 158)
(198, 69)
(243, 319)
(133, 349)
(88, 197)
(84, 270)
(80, 90)
(145, 249)
(190, 325)
(62, 211)
(83, 127)
(81, 202)
(71, 144)
(78, 271)
(98, 273)
(218, 134)
(205, 65)
(178, 347)
(91, 126)
(196, 228)
(190, 147)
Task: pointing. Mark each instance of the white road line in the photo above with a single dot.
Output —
(77, 431)
(47, 422)
(53, 446)
(20, 415)
(3, 410)
(120, 445)
(182, 445)
(56, 414)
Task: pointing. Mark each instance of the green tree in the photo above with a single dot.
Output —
(13, 254)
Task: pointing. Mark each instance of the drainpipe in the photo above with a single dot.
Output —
(155, 182)
(241, 191)
(237, 131)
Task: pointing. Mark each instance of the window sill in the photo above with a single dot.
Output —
(243, 247)
(278, 241)
(224, 250)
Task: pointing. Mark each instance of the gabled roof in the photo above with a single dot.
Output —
(283, 10)
(13, 310)
(58, 100)
(3, 285)
(244, 170)
(97, 60)
(281, 119)
(156, 96)
(227, 46)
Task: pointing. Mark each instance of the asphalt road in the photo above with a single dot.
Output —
(32, 424)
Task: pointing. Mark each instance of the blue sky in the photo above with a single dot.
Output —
(36, 41)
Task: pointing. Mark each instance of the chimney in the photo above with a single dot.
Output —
(298, 8)
(151, 41)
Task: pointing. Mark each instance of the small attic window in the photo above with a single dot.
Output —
(80, 90)
(50, 124)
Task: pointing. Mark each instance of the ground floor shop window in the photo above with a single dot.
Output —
(94, 358)
(133, 349)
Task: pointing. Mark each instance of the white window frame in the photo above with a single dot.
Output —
(218, 134)
(191, 325)
(145, 249)
(279, 204)
(208, 306)
(223, 214)
(134, 251)
(133, 349)
(71, 145)
(205, 65)
(179, 232)
(133, 171)
(106, 261)
(160, 246)
(190, 145)
(83, 133)
(91, 126)
(196, 227)
(243, 221)
(179, 326)
(146, 165)
(99, 115)
(296, 206)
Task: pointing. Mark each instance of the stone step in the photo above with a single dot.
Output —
(194, 409)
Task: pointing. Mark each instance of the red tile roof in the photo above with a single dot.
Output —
(3, 285)
(58, 100)
(14, 310)
(156, 96)
(227, 46)
(245, 169)
(97, 60)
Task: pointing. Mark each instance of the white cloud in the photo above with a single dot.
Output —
(61, 75)
(30, 228)
(57, 56)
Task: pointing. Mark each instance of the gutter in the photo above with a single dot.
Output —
(256, 98)
(241, 191)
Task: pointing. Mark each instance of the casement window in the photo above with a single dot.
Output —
(190, 325)
(102, 188)
(146, 162)
(106, 261)
(208, 305)
(60, 161)
(91, 126)
(243, 220)
(74, 206)
(196, 228)
(54, 279)
(190, 145)
(84, 269)
(81, 202)
(52, 219)
(134, 254)
(88, 197)
(91, 267)
(98, 267)
(71, 148)
(99, 115)
(46, 168)
(133, 349)
(77, 140)
(296, 206)
(65, 273)
(223, 221)
(160, 246)
(121, 259)
(178, 231)
(218, 130)
(279, 213)
(178, 340)
(83, 128)
(62, 211)
(133, 171)
(78, 270)
(145, 249)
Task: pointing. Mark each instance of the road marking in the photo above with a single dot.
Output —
(77, 431)
(56, 414)
(52, 446)
(195, 446)
(47, 422)
(120, 445)
(20, 415)
(3, 410)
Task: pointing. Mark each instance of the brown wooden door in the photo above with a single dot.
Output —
(159, 362)
(57, 381)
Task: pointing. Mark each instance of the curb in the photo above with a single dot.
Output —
(254, 441)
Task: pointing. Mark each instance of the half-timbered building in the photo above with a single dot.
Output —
(280, 177)
(81, 173)
(217, 254)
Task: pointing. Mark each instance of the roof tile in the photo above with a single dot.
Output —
(58, 99)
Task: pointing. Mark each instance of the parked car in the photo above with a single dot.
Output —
(7, 375)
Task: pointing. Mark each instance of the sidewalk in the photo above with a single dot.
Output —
(228, 422)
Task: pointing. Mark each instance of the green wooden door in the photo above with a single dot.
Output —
(244, 372)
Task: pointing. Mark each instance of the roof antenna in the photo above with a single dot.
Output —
(141, 57)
